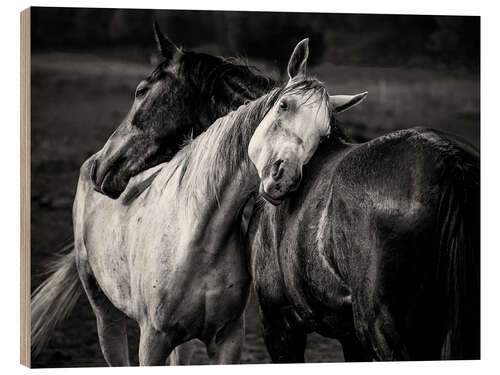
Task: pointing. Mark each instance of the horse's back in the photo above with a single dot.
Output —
(399, 175)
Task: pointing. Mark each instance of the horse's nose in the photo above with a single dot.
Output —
(277, 170)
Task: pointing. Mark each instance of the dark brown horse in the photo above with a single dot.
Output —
(378, 248)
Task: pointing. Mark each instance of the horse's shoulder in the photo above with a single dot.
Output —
(264, 253)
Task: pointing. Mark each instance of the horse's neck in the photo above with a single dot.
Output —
(217, 221)
(214, 199)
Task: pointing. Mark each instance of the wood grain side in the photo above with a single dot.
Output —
(25, 341)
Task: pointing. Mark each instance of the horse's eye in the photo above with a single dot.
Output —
(283, 105)
(141, 91)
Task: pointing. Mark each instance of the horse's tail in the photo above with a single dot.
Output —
(458, 265)
(54, 299)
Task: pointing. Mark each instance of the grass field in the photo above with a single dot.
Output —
(78, 100)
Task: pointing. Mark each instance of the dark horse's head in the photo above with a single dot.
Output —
(184, 95)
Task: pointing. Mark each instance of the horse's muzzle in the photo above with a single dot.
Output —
(106, 179)
(267, 197)
(279, 179)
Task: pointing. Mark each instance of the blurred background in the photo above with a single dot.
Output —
(418, 70)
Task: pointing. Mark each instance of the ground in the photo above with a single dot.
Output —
(78, 100)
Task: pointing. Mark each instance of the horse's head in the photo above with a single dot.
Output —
(291, 131)
(185, 93)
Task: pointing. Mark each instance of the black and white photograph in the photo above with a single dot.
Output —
(249, 187)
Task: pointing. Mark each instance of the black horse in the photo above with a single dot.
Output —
(378, 248)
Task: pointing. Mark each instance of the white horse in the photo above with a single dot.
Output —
(168, 252)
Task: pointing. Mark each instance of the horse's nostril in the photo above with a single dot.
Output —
(277, 171)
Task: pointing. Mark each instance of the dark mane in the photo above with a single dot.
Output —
(224, 83)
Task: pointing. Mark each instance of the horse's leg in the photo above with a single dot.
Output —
(353, 349)
(226, 346)
(375, 315)
(112, 331)
(182, 354)
(385, 339)
(285, 344)
(111, 322)
(154, 346)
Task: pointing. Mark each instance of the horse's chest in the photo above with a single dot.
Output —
(108, 261)
(200, 292)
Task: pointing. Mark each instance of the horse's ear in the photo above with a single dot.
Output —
(166, 47)
(342, 103)
(298, 60)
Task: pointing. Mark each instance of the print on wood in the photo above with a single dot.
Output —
(214, 187)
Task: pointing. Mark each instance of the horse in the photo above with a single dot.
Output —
(378, 248)
(171, 257)
(181, 98)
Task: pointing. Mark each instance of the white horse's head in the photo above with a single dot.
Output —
(291, 131)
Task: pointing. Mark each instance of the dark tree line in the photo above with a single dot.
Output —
(347, 39)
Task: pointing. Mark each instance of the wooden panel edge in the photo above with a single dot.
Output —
(25, 189)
